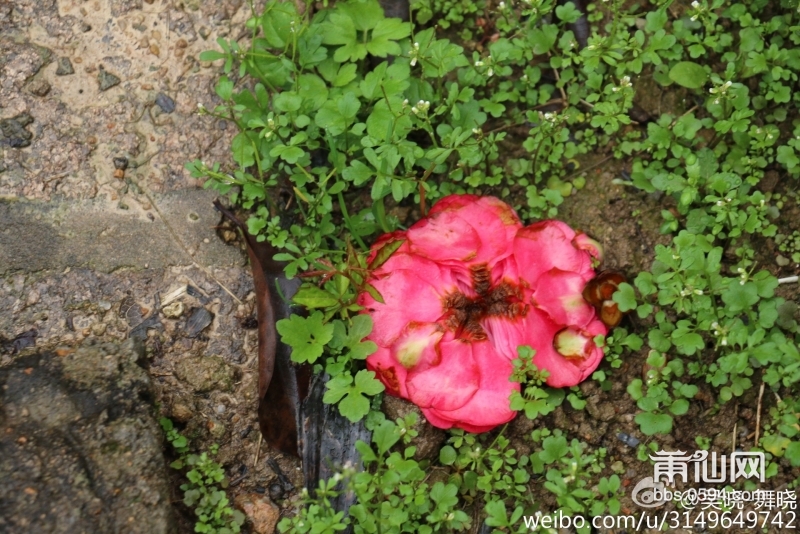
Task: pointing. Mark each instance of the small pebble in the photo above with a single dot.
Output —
(98, 329)
(120, 162)
(627, 439)
(173, 310)
(155, 50)
(64, 67)
(198, 321)
(39, 87)
(106, 79)
(260, 489)
(782, 261)
(215, 428)
(275, 492)
(166, 104)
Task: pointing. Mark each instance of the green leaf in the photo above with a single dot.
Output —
(793, 453)
(350, 395)
(568, 13)
(243, 151)
(287, 101)
(385, 436)
(358, 173)
(313, 89)
(634, 389)
(276, 23)
(652, 423)
(688, 74)
(336, 115)
(289, 154)
(360, 327)
(625, 297)
(384, 36)
(447, 455)
(366, 14)
(225, 88)
(348, 106)
(314, 297)
(374, 293)
(212, 55)
(367, 383)
(543, 38)
(345, 75)
(740, 297)
(385, 252)
(687, 342)
(306, 335)
(354, 406)
(337, 387)
(679, 407)
(444, 495)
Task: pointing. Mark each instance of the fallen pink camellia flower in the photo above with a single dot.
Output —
(467, 286)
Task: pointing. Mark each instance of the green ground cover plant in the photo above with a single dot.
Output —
(204, 489)
(348, 119)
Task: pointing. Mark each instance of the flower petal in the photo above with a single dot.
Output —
(447, 382)
(387, 370)
(547, 244)
(412, 289)
(584, 242)
(417, 348)
(492, 222)
(490, 405)
(559, 293)
(446, 237)
(567, 372)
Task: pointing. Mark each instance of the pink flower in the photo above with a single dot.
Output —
(469, 285)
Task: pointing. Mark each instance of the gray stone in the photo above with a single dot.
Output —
(14, 133)
(64, 67)
(94, 234)
(166, 104)
(81, 451)
(39, 87)
(106, 80)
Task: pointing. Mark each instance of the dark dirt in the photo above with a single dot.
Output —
(81, 450)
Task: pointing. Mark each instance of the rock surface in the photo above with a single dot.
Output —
(80, 449)
(260, 511)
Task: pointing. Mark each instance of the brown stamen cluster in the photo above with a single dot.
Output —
(464, 313)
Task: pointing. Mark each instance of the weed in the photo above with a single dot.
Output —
(347, 118)
(205, 490)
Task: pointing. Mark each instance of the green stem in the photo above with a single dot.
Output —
(347, 222)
